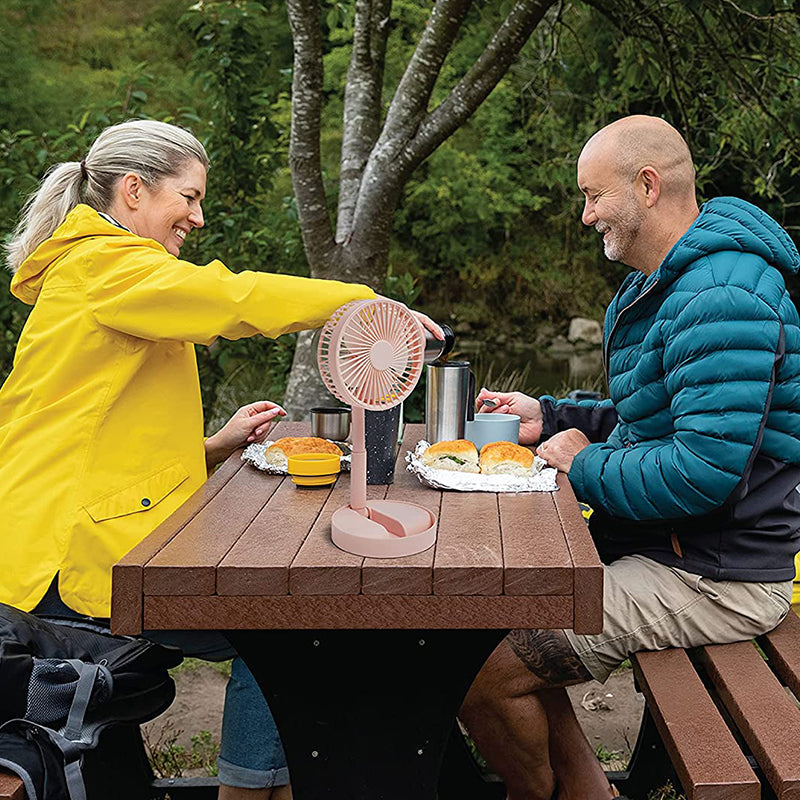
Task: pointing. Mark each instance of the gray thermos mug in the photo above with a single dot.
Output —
(449, 400)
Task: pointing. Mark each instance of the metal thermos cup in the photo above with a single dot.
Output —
(436, 348)
(449, 400)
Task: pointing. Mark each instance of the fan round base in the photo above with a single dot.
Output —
(371, 538)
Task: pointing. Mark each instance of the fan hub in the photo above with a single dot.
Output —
(381, 354)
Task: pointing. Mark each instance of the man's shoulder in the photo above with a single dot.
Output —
(730, 270)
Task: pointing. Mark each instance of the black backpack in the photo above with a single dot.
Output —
(61, 686)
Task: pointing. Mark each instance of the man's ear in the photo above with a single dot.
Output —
(131, 190)
(650, 185)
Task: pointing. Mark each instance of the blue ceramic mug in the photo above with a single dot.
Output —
(486, 428)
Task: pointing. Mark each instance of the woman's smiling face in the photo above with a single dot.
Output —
(168, 211)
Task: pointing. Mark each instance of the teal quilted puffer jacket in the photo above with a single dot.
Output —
(703, 360)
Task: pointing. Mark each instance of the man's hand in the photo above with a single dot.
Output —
(526, 408)
(559, 451)
(251, 423)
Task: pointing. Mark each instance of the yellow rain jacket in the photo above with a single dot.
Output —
(101, 423)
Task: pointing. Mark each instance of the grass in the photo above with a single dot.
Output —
(192, 664)
(665, 792)
(169, 759)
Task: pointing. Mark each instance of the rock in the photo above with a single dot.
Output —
(560, 346)
(585, 331)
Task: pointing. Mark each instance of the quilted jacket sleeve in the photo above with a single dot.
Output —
(145, 292)
(720, 355)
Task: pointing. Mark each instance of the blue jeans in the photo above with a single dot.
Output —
(251, 754)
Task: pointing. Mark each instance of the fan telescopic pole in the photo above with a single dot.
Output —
(358, 463)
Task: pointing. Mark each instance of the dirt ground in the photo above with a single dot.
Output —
(610, 713)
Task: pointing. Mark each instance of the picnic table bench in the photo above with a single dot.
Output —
(722, 719)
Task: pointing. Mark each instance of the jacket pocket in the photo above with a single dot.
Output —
(142, 495)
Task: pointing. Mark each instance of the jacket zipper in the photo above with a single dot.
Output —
(616, 322)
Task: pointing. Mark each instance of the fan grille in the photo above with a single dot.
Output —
(370, 353)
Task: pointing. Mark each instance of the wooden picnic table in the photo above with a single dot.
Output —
(364, 662)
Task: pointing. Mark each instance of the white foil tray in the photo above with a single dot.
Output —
(542, 477)
(254, 454)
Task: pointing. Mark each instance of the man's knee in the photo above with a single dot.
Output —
(524, 662)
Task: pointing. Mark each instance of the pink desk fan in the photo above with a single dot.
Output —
(370, 356)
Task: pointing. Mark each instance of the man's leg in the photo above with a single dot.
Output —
(523, 723)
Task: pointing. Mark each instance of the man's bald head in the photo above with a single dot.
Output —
(637, 180)
(638, 141)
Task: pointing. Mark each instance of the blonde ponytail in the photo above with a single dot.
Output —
(45, 211)
(153, 150)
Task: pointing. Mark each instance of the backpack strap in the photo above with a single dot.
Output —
(87, 678)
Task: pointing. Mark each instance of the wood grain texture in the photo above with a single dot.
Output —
(127, 574)
(764, 713)
(188, 563)
(706, 757)
(411, 574)
(320, 567)
(258, 563)
(11, 787)
(588, 571)
(782, 647)
(536, 557)
(469, 550)
(304, 612)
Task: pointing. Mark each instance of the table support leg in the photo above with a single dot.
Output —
(365, 715)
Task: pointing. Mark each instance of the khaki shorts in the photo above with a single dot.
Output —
(648, 606)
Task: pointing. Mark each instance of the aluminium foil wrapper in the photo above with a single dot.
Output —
(541, 479)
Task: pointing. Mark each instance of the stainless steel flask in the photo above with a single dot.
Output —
(449, 400)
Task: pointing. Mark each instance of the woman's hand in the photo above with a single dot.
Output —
(526, 408)
(251, 423)
(423, 319)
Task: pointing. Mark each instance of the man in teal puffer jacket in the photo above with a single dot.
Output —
(691, 467)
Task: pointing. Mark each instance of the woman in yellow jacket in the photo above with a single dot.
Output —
(101, 424)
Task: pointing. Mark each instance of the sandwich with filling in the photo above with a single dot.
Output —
(505, 458)
(458, 455)
(277, 455)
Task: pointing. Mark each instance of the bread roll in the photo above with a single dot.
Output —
(277, 455)
(458, 455)
(505, 458)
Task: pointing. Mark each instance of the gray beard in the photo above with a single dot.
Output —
(624, 230)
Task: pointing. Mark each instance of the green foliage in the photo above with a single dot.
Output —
(169, 759)
(665, 792)
(605, 756)
(488, 230)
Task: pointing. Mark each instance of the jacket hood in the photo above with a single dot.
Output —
(82, 223)
(730, 224)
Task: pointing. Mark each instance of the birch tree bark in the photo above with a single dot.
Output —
(377, 157)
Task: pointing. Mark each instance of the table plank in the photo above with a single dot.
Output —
(310, 612)
(469, 551)
(187, 565)
(258, 563)
(410, 574)
(588, 574)
(537, 560)
(127, 575)
(320, 567)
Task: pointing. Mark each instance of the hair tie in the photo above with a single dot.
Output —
(84, 173)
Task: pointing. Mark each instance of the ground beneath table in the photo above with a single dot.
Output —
(610, 722)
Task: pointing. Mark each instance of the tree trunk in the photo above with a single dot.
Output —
(377, 160)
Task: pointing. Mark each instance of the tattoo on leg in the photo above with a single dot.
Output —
(549, 656)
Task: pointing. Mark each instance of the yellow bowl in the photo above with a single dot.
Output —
(314, 469)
